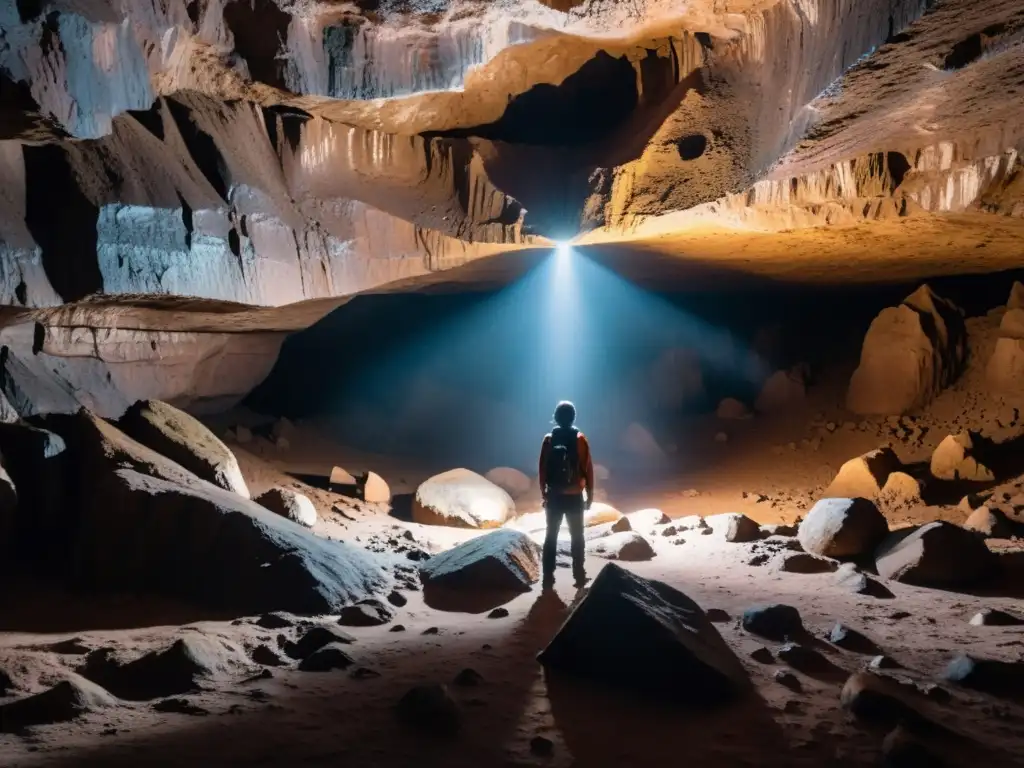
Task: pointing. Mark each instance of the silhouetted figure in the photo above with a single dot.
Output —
(566, 472)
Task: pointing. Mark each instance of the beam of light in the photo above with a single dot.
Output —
(472, 380)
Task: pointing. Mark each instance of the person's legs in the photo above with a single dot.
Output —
(574, 518)
(554, 511)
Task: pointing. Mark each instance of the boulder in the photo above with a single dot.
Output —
(901, 489)
(901, 749)
(850, 578)
(315, 638)
(990, 523)
(865, 475)
(910, 353)
(851, 640)
(290, 505)
(599, 513)
(873, 698)
(512, 481)
(737, 528)
(366, 613)
(956, 458)
(67, 700)
(327, 658)
(620, 525)
(732, 409)
(185, 440)
(837, 527)
(1005, 369)
(627, 546)
(999, 678)
(644, 520)
(782, 391)
(993, 617)
(375, 489)
(674, 651)
(638, 440)
(462, 499)
(938, 554)
(776, 622)
(181, 668)
(341, 479)
(502, 560)
(133, 517)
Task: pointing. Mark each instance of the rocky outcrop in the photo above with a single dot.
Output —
(910, 353)
(864, 476)
(185, 440)
(675, 651)
(463, 499)
(67, 700)
(114, 512)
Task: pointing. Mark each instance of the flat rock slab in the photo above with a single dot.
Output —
(938, 554)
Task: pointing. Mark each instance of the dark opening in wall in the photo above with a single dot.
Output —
(898, 166)
(29, 9)
(201, 147)
(260, 30)
(693, 146)
(587, 106)
(964, 52)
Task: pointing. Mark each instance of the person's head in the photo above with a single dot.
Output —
(565, 414)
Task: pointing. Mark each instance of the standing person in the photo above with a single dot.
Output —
(566, 472)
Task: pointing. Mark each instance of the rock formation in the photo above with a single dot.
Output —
(463, 499)
(186, 183)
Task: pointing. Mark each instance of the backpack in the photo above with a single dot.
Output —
(563, 465)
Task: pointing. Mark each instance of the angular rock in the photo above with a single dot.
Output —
(737, 528)
(732, 409)
(599, 513)
(185, 440)
(802, 562)
(674, 651)
(341, 479)
(289, 505)
(1012, 324)
(327, 658)
(180, 706)
(787, 679)
(991, 523)
(1005, 369)
(956, 458)
(910, 353)
(275, 620)
(806, 660)
(179, 669)
(938, 554)
(502, 560)
(366, 613)
(267, 656)
(375, 489)
(132, 517)
(850, 578)
(864, 476)
(626, 546)
(1016, 298)
(619, 526)
(316, 638)
(463, 499)
(430, 708)
(993, 617)
(512, 481)
(840, 527)
(67, 700)
(851, 640)
(762, 656)
(776, 622)
(883, 662)
(782, 391)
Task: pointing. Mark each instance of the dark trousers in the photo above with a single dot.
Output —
(569, 506)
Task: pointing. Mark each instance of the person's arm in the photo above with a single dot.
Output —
(542, 472)
(587, 462)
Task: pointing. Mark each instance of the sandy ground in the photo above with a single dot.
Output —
(771, 469)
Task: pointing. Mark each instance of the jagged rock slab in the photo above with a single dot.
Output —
(463, 499)
(674, 651)
(185, 440)
(501, 560)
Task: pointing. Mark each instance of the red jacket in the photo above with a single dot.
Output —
(586, 468)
